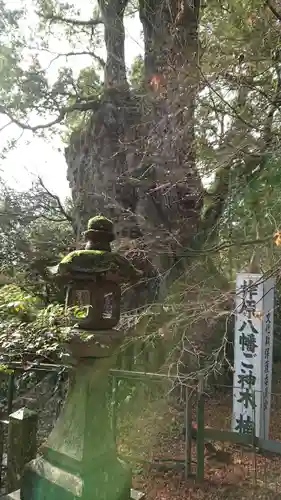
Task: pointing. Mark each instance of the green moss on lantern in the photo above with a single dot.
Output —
(97, 261)
(99, 222)
(97, 257)
(76, 253)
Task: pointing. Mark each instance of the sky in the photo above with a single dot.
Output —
(34, 156)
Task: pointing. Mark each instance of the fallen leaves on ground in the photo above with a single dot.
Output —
(155, 434)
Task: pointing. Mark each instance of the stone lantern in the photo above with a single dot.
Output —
(79, 459)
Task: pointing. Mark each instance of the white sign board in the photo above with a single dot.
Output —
(267, 354)
(253, 343)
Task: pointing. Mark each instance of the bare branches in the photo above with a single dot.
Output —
(6, 125)
(57, 201)
(227, 104)
(228, 244)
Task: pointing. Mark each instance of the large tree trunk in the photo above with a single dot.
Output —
(136, 161)
(170, 200)
(114, 36)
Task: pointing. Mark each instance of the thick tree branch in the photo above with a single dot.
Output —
(100, 60)
(78, 106)
(197, 4)
(74, 22)
(114, 36)
(273, 10)
(253, 162)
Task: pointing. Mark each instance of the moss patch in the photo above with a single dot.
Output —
(99, 222)
(78, 253)
(98, 261)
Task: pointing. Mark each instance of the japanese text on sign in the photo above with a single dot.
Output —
(253, 354)
(247, 353)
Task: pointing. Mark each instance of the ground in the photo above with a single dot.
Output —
(157, 433)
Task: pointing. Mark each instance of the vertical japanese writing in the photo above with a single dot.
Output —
(267, 353)
(267, 342)
(253, 355)
(248, 303)
(248, 339)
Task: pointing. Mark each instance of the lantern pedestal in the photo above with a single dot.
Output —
(79, 459)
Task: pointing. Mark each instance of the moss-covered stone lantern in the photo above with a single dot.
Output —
(79, 459)
(97, 272)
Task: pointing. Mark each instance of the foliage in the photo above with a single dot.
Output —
(36, 231)
(137, 72)
(253, 213)
(89, 85)
(16, 303)
(38, 79)
(238, 133)
(28, 330)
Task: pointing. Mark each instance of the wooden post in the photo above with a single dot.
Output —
(188, 431)
(114, 408)
(161, 353)
(2, 426)
(11, 389)
(146, 357)
(128, 356)
(200, 432)
(119, 360)
(21, 444)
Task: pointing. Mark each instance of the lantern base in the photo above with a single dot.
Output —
(82, 344)
(15, 495)
(79, 459)
(44, 480)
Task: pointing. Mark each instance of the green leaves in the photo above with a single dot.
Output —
(29, 329)
(16, 304)
(35, 230)
(37, 83)
(89, 89)
(137, 72)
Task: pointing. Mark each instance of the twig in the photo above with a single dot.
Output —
(225, 245)
(56, 199)
(273, 10)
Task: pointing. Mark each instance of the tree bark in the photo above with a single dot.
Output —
(112, 12)
(170, 199)
(136, 162)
